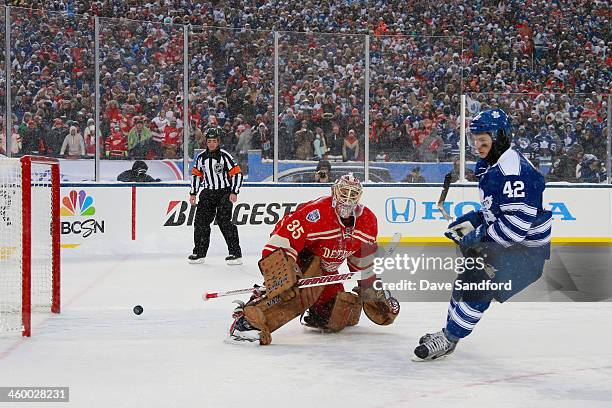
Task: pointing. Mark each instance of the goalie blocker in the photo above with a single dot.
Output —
(284, 301)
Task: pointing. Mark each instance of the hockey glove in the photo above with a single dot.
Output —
(466, 223)
(453, 235)
(473, 238)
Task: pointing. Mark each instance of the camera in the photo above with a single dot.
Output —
(323, 171)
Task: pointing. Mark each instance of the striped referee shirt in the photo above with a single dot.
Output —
(215, 171)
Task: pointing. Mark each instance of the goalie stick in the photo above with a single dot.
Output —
(314, 281)
(302, 283)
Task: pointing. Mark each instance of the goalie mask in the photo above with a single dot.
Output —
(346, 193)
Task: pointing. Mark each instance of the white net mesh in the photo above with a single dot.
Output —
(12, 215)
(10, 245)
(42, 241)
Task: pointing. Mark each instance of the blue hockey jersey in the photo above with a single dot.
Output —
(511, 198)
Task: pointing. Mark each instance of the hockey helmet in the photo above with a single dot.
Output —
(496, 123)
(346, 192)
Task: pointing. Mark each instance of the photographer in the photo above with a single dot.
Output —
(323, 172)
(591, 170)
(138, 174)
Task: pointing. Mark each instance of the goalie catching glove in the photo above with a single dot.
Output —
(378, 305)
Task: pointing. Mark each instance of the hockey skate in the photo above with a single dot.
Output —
(433, 346)
(196, 259)
(427, 336)
(315, 319)
(241, 331)
(233, 260)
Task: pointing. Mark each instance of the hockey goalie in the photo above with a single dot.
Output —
(315, 240)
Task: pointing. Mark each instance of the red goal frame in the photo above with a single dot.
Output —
(26, 236)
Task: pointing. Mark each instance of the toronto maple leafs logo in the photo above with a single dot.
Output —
(487, 203)
(495, 114)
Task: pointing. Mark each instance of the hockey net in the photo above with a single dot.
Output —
(29, 241)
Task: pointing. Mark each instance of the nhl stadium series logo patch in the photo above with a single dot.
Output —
(313, 216)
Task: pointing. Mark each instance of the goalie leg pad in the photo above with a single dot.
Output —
(346, 311)
(270, 313)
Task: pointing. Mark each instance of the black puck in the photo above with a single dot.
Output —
(138, 309)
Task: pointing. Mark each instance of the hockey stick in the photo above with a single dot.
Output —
(471, 252)
(393, 244)
(302, 283)
(443, 194)
(314, 281)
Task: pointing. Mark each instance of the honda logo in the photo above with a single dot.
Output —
(400, 210)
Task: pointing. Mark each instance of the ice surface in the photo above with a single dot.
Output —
(173, 355)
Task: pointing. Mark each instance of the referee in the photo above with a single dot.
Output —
(219, 177)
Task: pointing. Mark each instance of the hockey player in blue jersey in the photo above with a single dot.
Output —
(510, 233)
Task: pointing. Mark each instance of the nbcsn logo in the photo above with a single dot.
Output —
(79, 204)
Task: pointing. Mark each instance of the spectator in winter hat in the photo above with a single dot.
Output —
(350, 147)
(73, 146)
(320, 144)
(304, 139)
(138, 139)
(55, 138)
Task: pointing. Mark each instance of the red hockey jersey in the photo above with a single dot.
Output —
(315, 227)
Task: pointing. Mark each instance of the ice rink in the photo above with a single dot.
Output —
(173, 355)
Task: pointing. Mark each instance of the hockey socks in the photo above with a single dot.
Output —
(462, 317)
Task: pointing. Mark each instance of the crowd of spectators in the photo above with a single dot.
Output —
(547, 63)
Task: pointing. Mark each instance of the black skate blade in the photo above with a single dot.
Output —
(418, 359)
(427, 360)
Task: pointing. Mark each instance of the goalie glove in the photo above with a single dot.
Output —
(380, 307)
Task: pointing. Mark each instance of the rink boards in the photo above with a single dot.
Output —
(157, 218)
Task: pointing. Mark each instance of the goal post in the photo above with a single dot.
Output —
(29, 240)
